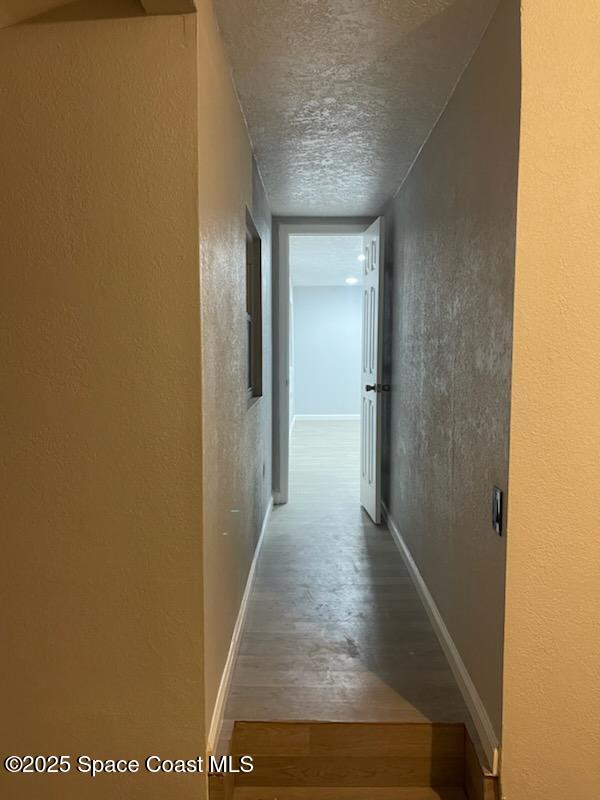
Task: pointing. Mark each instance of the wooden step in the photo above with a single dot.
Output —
(353, 793)
(322, 754)
(355, 761)
(342, 771)
(348, 739)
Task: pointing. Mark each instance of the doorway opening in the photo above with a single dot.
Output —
(328, 338)
(326, 278)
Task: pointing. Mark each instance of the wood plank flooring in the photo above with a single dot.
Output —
(335, 629)
(350, 761)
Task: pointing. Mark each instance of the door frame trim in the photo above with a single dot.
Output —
(284, 228)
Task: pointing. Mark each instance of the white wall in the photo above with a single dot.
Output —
(327, 336)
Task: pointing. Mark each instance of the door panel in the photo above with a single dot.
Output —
(370, 438)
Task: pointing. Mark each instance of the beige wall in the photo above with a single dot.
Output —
(552, 652)
(451, 266)
(237, 450)
(101, 567)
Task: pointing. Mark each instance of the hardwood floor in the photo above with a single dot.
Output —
(335, 629)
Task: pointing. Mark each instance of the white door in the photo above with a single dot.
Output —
(370, 418)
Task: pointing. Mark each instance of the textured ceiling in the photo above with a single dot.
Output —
(325, 260)
(340, 95)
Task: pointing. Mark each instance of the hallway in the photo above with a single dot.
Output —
(335, 628)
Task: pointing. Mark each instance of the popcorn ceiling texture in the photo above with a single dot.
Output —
(340, 96)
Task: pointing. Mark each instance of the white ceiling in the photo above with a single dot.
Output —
(325, 260)
(340, 95)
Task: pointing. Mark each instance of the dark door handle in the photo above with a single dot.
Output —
(378, 387)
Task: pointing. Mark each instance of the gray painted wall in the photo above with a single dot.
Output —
(450, 263)
(327, 336)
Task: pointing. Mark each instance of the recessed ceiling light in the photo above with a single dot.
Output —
(362, 257)
(351, 281)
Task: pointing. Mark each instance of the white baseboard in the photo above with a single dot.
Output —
(489, 740)
(326, 416)
(217, 717)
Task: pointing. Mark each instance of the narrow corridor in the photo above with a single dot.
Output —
(335, 628)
